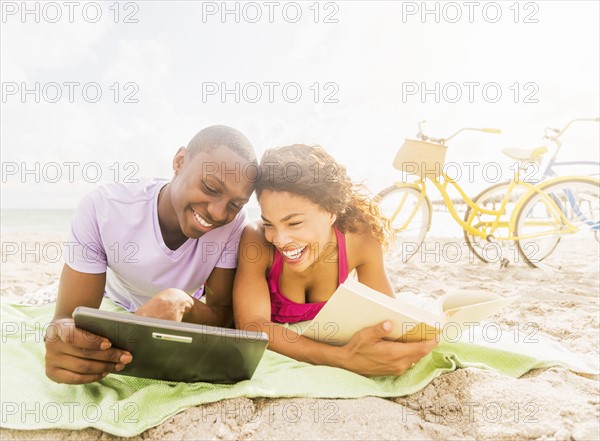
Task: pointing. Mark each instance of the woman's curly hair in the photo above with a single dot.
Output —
(309, 171)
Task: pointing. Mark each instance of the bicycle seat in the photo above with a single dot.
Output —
(525, 154)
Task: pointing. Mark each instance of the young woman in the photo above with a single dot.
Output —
(317, 228)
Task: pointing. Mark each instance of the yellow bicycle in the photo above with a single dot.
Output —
(554, 224)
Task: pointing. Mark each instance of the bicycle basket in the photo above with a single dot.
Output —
(421, 158)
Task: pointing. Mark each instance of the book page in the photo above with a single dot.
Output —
(421, 311)
(354, 306)
(473, 306)
(420, 301)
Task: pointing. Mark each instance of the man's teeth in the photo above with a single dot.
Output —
(202, 221)
(293, 255)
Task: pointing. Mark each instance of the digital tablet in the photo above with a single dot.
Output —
(175, 351)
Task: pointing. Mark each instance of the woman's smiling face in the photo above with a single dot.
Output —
(298, 227)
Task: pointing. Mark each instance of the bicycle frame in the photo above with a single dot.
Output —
(565, 226)
(549, 171)
(420, 187)
(576, 209)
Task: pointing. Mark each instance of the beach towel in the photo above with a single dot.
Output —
(127, 406)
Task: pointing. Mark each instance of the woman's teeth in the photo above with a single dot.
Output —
(201, 221)
(294, 254)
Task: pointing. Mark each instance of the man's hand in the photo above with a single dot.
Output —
(170, 304)
(75, 356)
(368, 354)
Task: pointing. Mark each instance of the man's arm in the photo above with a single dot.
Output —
(175, 304)
(73, 355)
(78, 289)
(218, 310)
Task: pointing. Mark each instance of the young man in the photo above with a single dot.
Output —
(154, 247)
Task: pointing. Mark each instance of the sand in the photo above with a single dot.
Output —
(545, 404)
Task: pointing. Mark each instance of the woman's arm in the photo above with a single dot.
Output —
(366, 353)
(367, 255)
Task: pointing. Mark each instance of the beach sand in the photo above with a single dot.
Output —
(544, 404)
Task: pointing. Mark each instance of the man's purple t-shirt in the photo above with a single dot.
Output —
(115, 230)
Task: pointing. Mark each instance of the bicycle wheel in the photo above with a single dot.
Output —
(491, 199)
(561, 232)
(410, 215)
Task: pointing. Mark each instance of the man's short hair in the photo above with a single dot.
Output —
(214, 137)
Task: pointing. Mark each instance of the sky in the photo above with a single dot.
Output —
(96, 92)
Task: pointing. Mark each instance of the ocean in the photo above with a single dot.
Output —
(53, 221)
(57, 221)
(35, 221)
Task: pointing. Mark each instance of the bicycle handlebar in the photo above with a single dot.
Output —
(496, 131)
(442, 141)
(560, 132)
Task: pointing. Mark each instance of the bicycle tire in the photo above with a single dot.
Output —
(407, 241)
(491, 198)
(578, 200)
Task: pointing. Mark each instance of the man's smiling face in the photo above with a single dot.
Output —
(210, 188)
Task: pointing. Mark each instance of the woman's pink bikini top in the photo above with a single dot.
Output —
(284, 310)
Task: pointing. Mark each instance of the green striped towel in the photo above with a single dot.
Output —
(127, 406)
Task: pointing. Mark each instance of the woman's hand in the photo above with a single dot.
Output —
(368, 354)
(170, 304)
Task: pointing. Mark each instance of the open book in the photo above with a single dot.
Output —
(355, 306)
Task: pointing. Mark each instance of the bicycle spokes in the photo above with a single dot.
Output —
(557, 228)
